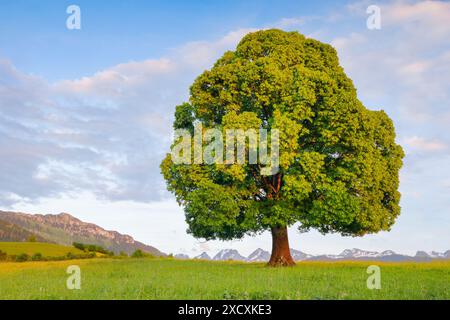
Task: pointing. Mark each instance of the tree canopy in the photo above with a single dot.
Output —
(339, 162)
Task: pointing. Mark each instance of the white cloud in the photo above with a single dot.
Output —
(422, 144)
(287, 23)
(405, 66)
(430, 15)
(354, 39)
(113, 81)
(106, 133)
(202, 54)
(415, 68)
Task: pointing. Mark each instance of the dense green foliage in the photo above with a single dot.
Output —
(3, 255)
(191, 279)
(22, 257)
(92, 248)
(141, 254)
(339, 162)
(37, 257)
(137, 254)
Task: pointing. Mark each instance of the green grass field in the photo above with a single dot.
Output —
(187, 279)
(30, 248)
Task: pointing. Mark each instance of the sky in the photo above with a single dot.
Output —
(86, 114)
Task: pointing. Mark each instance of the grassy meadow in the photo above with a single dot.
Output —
(193, 279)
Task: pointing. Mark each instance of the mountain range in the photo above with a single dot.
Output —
(260, 255)
(65, 229)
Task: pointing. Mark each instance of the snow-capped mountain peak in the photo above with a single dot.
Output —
(228, 254)
(387, 253)
(299, 255)
(358, 253)
(259, 255)
(204, 256)
(433, 254)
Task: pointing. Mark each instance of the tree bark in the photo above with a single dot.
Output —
(281, 254)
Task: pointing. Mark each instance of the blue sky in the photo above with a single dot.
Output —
(85, 115)
(34, 33)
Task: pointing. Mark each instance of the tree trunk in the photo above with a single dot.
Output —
(281, 254)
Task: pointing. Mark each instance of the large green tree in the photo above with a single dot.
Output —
(339, 163)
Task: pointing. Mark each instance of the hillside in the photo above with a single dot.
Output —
(65, 229)
(12, 232)
(30, 248)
